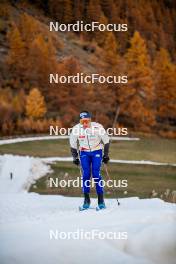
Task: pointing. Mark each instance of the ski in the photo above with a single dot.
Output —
(99, 209)
(81, 208)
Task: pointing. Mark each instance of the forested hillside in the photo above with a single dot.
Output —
(146, 53)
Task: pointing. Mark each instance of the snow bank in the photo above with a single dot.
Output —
(25, 171)
(26, 220)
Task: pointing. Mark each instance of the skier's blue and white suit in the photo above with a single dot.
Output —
(91, 141)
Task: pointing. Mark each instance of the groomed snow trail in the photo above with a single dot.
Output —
(28, 219)
(138, 162)
(27, 139)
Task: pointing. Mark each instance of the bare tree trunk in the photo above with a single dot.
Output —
(116, 116)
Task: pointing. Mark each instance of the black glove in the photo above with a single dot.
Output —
(105, 159)
(76, 161)
(106, 153)
(74, 153)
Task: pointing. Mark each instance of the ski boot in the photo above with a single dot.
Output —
(86, 203)
(101, 203)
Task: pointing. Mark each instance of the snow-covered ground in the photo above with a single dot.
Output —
(27, 221)
(25, 171)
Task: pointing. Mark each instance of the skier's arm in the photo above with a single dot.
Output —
(106, 149)
(106, 142)
(106, 153)
(73, 144)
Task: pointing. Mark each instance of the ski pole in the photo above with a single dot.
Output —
(107, 174)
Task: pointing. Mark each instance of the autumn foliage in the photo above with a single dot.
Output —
(35, 104)
(145, 53)
(137, 98)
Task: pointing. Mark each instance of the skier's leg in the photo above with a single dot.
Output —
(96, 166)
(101, 200)
(86, 165)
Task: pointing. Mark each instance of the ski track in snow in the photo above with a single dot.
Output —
(26, 220)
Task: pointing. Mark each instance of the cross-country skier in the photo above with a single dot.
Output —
(92, 140)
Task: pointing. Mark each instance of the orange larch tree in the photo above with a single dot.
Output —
(42, 61)
(35, 104)
(137, 97)
(17, 51)
(165, 82)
